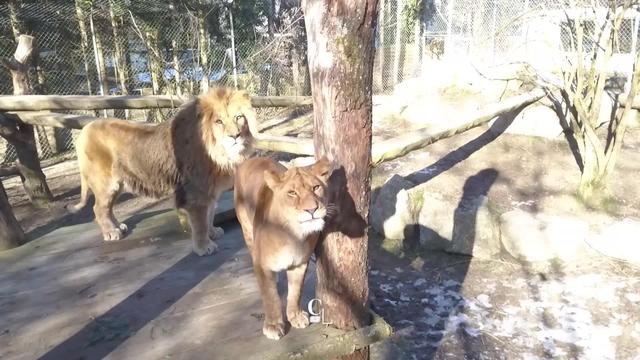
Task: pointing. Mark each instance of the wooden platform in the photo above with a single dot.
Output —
(70, 295)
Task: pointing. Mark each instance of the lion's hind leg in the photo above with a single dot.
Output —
(199, 221)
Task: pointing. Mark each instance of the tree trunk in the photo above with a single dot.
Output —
(176, 66)
(120, 61)
(398, 56)
(21, 135)
(203, 45)
(340, 37)
(16, 29)
(99, 56)
(11, 234)
(84, 43)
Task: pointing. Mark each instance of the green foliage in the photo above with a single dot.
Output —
(411, 13)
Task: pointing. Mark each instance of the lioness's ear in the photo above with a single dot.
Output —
(322, 169)
(271, 178)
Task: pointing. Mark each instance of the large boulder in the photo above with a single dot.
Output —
(620, 240)
(392, 211)
(465, 227)
(542, 237)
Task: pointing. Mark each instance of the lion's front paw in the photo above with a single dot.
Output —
(215, 232)
(208, 248)
(273, 331)
(298, 319)
(113, 234)
(123, 228)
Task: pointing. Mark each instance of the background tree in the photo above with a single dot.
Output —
(591, 43)
(340, 41)
(11, 234)
(21, 135)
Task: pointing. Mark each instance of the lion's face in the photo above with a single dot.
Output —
(301, 196)
(228, 117)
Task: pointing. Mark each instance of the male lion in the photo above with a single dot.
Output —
(281, 213)
(193, 156)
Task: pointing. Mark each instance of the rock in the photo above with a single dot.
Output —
(466, 227)
(541, 237)
(620, 240)
(392, 213)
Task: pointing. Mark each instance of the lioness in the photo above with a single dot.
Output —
(193, 156)
(281, 213)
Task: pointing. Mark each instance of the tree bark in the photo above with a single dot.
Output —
(84, 42)
(16, 29)
(11, 234)
(203, 45)
(340, 38)
(120, 56)
(21, 135)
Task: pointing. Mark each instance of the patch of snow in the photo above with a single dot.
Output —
(419, 282)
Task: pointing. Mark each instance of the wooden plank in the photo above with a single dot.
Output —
(146, 298)
(288, 144)
(402, 145)
(96, 102)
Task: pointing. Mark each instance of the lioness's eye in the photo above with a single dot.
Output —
(238, 117)
(316, 188)
(219, 122)
(292, 193)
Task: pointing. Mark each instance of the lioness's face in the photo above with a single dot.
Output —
(301, 196)
(230, 123)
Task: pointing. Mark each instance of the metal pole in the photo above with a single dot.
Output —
(634, 49)
(233, 51)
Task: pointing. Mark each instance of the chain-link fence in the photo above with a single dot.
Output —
(414, 35)
(93, 47)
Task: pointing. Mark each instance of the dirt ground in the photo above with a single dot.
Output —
(444, 306)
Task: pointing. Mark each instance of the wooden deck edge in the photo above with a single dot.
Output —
(341, 345)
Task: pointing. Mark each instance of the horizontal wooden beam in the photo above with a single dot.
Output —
(288, 144)
(402, 145)
(94, 102)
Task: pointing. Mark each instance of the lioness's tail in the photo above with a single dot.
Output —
(84, 193)
(84, 186)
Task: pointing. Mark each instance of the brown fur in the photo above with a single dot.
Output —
(191, 156)
(272, 204)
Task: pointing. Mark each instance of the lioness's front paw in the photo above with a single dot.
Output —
(298, 319)
(209, 248)
(215, 232)
(113, 234)
(123, 228)
(273, 331)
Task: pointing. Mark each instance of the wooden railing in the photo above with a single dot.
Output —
(24, 106)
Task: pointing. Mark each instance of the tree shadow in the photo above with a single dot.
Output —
(111, 329)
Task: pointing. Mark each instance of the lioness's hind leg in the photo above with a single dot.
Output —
(105, 197)
(199, 221)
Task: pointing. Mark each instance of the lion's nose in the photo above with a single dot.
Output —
(312, 210)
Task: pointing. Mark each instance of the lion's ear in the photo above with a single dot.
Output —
(322, 169)
(272, 179)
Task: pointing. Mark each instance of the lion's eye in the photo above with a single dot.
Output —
(292, 193)
(219, 122)
(316, 188)
(238, 117)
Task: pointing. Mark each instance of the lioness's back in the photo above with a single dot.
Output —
(250, 179)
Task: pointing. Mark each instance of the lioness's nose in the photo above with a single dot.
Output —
(311, 211)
